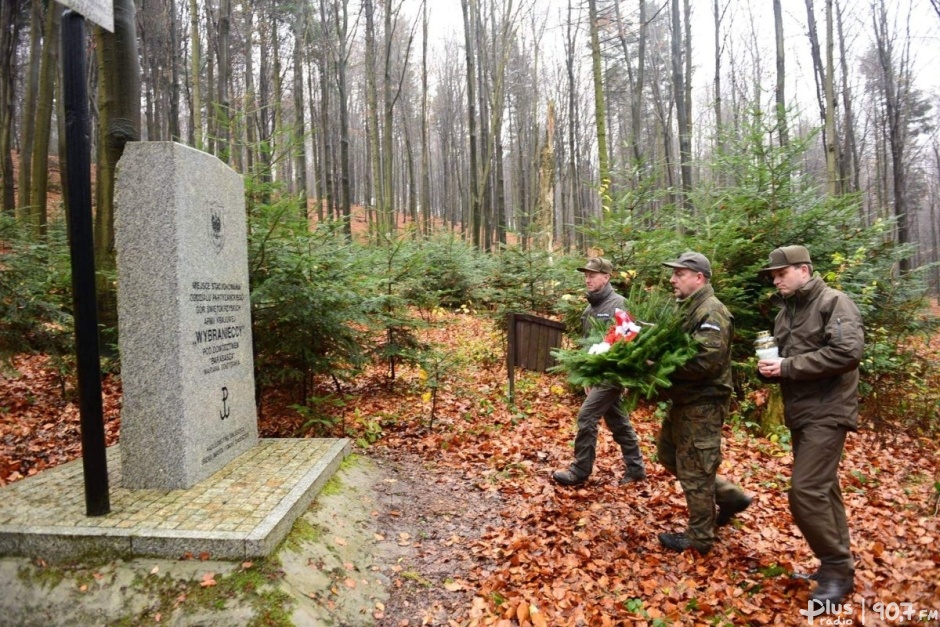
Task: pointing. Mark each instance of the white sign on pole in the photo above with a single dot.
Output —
(101, 12)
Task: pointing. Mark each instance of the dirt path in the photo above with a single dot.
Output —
(386, 543)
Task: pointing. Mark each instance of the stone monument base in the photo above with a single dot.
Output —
(241, 511)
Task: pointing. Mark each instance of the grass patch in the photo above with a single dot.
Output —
(254, 585)
(301, 533)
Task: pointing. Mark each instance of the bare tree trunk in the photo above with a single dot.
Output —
(600, 114)
(223, 107)
(577, 208)
(832, 139)
(326, 136)
(39, 183)
(545, 212)
(265, 144)
(425, 139)
(341, 61)
(387, 217)
(782, 132)
(372, 113)
(25, 213)
(9, 30)
(824, 92)
(851, 170)
(897, 84)
(174, 113)
(682, 113)
(211, 95)
(636, 79)
(196, 73)
(719, 46)
(118, 123)
(476, 222)
(250, 113)
(300, 130)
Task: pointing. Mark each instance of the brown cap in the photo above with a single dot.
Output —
(786, 256)
(697, 262)
(597, 264)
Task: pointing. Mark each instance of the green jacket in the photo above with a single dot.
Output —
(707, 376)
(821, 339)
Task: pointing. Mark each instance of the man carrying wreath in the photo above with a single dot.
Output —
(689, 444)
(603, 401)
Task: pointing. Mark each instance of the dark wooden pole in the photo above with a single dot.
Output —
(81, 245)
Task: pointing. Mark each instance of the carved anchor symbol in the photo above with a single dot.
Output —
(223, 416)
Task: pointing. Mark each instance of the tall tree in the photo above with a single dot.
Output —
(600, 113)
(681, 104)
(545, 211)
(851, 169)
(718, 13)
(342, 55)
(372, 112)
(573, 183)
(196, 73)
(299, 183)
(823, 74)
(118, 123)
(222, 109)
(27, 130)
(779, 92)
(9, 32)
(39, 182)
(896, 82)
(476, 218)
(425, 139)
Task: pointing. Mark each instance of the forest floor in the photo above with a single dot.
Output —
(454, 520)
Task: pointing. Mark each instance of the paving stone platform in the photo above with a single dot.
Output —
(242, 511)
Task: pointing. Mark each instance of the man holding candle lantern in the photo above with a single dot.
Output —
(820, 339)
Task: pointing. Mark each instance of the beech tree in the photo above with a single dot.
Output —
(118, 123)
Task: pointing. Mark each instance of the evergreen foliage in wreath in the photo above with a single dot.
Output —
(640, 357)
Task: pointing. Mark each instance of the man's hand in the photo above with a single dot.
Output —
(769, 367)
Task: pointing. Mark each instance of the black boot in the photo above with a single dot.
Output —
(567, 477)
(679, 542)
(729, 511)
(632, 477)
(832, 591)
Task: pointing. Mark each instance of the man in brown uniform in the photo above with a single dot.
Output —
(820, 339)
(689, 444)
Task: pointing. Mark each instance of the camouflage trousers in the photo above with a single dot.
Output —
(689, 447)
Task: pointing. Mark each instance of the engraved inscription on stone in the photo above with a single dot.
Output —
(221, 319)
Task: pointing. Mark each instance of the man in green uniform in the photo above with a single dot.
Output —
(820, 338)
(603, 401)
(689, 444)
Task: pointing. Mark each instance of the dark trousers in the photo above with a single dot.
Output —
(689, 447)
(604, 402)
(816, 500)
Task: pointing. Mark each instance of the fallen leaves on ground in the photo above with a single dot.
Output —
(534, 553)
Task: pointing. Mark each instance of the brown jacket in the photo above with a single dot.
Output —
(821, 339)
